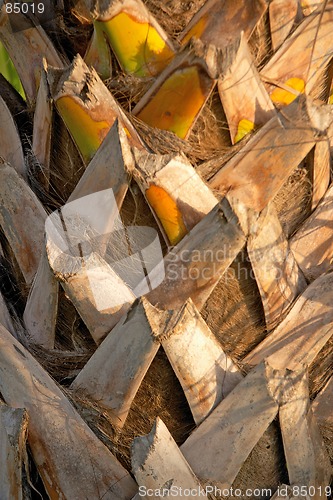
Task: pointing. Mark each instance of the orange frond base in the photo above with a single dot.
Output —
(178, 101)
(87, 133)
(284, 97)
(167, 212)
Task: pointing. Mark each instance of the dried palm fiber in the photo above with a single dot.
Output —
(233, 311)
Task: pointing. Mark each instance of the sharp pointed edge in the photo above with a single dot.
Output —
(304, 331)
(277, 274)
(83, 85)
(110, 168)
(217, 233)
(22, 218)
(106, 378)
(205, 381)
(10, 143)
(61, 79)
(312, 244)
(158, 463)
(307, 460)
(40, 314)
(13, 433)
(245, 414)
(59, 439)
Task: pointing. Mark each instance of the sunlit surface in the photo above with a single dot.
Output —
(167, 212)
(178, 101)
(244, 127)
(284, 97)
(196, 31)
(139, 48)
(87, 133)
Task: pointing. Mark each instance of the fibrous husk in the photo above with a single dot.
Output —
(87, 107)
(176, 193)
